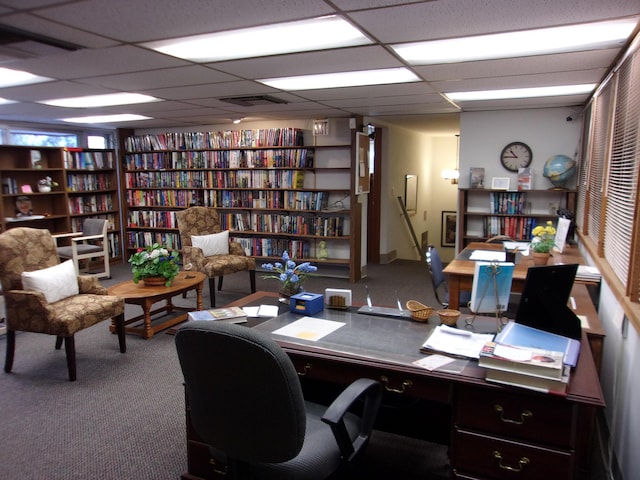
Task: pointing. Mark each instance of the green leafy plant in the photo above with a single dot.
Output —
(291, 276)
(154, 261)
(544, 238)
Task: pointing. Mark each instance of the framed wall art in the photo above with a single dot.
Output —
(448, 229)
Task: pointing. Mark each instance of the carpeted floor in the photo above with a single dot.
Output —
(124, 416)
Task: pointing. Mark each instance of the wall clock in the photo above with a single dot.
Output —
(516, 155)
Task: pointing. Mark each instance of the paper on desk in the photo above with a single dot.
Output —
(488, 255)
(523, 247)
(308, 328)
(457, 342)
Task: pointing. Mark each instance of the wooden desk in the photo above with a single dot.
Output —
(552, 432)
(146, 296)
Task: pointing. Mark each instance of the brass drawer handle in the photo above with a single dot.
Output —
(405, 385)
(307, 369)
(523, 416)
(521, 463)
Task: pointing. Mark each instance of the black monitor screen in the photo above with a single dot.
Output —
(543, 304)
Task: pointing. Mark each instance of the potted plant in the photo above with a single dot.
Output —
(46, 184)
(290, 275)
(154, 265)
(544, 239)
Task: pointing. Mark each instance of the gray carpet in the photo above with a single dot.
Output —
(124, 416)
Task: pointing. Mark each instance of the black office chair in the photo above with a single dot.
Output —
(246, 403)
(439, 281)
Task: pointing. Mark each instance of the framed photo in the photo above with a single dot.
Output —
(500, 183)
(449, 220)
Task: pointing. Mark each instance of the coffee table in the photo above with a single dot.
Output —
(146, 296)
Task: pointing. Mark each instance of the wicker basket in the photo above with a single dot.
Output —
(419, 312)
(448, 316)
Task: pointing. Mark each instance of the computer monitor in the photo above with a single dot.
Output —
(543, 304)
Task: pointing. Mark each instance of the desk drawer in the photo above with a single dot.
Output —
(486, 456)
(542, 419)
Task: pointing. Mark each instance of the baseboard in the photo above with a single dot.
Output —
(388, 257)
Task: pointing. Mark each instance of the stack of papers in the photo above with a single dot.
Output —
(456, 342)
(586, 273)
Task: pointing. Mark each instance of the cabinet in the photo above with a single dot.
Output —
(485, 213)
(87, 186)
(271, 192)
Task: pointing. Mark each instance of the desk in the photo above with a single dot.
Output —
(146, 296)
(492, 427)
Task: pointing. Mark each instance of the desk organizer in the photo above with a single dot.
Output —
(306, 303)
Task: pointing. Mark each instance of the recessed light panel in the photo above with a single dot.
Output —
(522, 92)
(569, 38)
(343, 79)
(107, 100)
(124, 117)
(12, 78)
(301, 36)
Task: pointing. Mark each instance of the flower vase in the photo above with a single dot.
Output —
(540, 258)
(286, 291)
(154, 281)
(44, 188)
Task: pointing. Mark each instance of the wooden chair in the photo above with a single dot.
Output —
(203, 222)
(91, 243)
(33, 250)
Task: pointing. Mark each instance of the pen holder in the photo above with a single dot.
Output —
(448, 316)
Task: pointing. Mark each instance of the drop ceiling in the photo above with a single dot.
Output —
(110, 58)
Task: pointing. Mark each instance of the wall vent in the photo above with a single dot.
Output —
(253, 100)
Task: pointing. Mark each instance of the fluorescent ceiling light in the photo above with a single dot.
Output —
(107, 100)
(570, 38)
(301, 36)
(12, 78)
(123, 117)
(522, 92)
(4, 101)
(343, 79)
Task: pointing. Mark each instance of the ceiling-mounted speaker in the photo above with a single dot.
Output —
(253, 100)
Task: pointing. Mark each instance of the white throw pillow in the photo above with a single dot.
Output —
(214, 244)
(57, 282)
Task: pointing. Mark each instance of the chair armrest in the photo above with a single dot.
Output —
(26, 301)
(88, 237)
(90, 284)
(194, 256)
(371, 390)
(58, 236)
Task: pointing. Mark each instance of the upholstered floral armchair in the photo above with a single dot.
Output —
(208, 249)
(45, 296)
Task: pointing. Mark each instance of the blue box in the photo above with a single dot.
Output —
(306, 303)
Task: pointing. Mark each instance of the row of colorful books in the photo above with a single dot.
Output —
(518, 228)
(530, 358)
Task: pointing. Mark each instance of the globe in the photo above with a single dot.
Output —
(559, 169)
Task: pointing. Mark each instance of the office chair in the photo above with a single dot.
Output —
(439, 281)
(91, 243)
(204, 223)
(245, 402)
(45, 296)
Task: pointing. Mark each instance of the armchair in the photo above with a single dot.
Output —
(246, 402)
(51, 304)
(91, 243)
(202, 222)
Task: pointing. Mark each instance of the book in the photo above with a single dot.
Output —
(530, 361)
(519, 335)
(476, 177)
(525, 178)
(539, 384)
(223, 314)
(491, 286)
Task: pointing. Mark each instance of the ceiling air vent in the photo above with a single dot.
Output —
(253, 100)
(20, 44)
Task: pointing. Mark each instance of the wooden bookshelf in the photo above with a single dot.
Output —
(485, 213)
(272, 192)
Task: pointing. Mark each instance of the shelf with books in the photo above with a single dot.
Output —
(269, 189)
(485, 213)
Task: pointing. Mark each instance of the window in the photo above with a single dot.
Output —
(42, 138)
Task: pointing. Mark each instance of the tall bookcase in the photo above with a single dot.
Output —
(271, 192)
(485, 213)
(87, 186)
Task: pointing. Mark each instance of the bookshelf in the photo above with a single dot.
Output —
(485, 213)
(87, 186)
(272, 192)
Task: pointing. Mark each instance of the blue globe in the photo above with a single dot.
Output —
(559, 169)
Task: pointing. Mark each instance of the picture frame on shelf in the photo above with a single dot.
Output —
(448, 229)
(500, 183)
